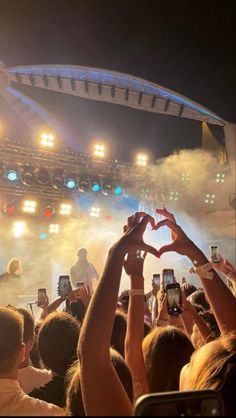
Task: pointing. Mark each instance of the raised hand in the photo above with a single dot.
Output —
(181, 243)
(132, 239)
(134, 263)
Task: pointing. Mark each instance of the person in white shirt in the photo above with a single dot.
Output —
(83, 271)
(28, 376)
(13, 401)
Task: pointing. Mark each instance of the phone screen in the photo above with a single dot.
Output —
(168, 276)
(64, 286)
(183, 404)
(42, 296)
(215, 253)
(156, 279)
(80, 284)
(174, 298)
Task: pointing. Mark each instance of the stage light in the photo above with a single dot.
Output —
(84, 185)
(58, 178)
(70, 183)
(142, 160)
(12, 175)
(43, 176)
(185, 177)
(65, 209)
(209, 199)
(107, 189)
(95, 187)
(18, 229)
(48, 212)
(174, 195)
(144, 193)
(95, 212)
(29, 206)
(43, 235)
(47, 140)
(27, 176)
(99, 150)
(54, 228)
(118, 190)
(220, 178)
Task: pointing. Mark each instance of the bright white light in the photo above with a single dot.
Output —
(47, 140)
(18, 229)
(54, 228)
(99, 150)
(95, 212)
(142, 160)
(29, 206)
(65, 209)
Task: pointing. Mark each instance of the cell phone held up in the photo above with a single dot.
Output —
(42, 297)
(215, 253)
(168, 276)
(64, 286)
(174, 298)
(156, 278)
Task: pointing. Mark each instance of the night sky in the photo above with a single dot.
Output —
(186, 45)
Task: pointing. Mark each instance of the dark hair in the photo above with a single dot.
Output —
(199, 298)
(34, 353)
(28, 324)
(210, 320)
(146, 329)
(57, 341)
(119, 333)
(74, 401)
(188, 289)
(11, 337)
(123, 301)
(166, 350)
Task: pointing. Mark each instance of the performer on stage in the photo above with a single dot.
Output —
(11, 283)
(83, 271)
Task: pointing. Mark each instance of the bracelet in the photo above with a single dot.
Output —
(204, 271)
(136, 292)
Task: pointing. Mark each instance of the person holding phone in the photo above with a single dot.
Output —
(83, 270)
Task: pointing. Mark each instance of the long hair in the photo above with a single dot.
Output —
(166, 350)
(14, 266)
(216, 370)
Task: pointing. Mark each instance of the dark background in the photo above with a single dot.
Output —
(185, 45)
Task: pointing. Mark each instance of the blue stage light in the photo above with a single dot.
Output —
(43, 235)
(70, 183)
(12, 175)
(96, 187)
(118, 190)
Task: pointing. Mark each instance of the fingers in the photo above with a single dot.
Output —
(166, 222)
(149, 249)
(168, 215)
(146, 219)
(166, 249)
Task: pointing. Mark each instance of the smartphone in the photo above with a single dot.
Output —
(42, 297)
(156, 278)
(193, 403)
(64, 282)
(168, 276)
(174, 298)
(215, 253)
(80, 284)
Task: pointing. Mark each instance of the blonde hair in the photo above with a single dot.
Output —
(14, 266)
(217, 371)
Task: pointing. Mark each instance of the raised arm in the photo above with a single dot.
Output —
(220, 298)
(102, 391)
(135, 324)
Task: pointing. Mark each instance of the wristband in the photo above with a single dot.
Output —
(204, 271)
(136, 292)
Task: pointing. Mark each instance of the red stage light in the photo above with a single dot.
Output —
(10, 210)
(47, 213)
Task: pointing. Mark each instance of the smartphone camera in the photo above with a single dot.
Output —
(64, 282)
(215, 254)
(174, 298)
(42, 297)
(156, 278)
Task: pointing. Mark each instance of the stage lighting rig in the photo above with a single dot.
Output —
(47, 140)
(142, 160)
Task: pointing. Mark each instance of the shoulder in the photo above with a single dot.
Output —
(39, 407)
